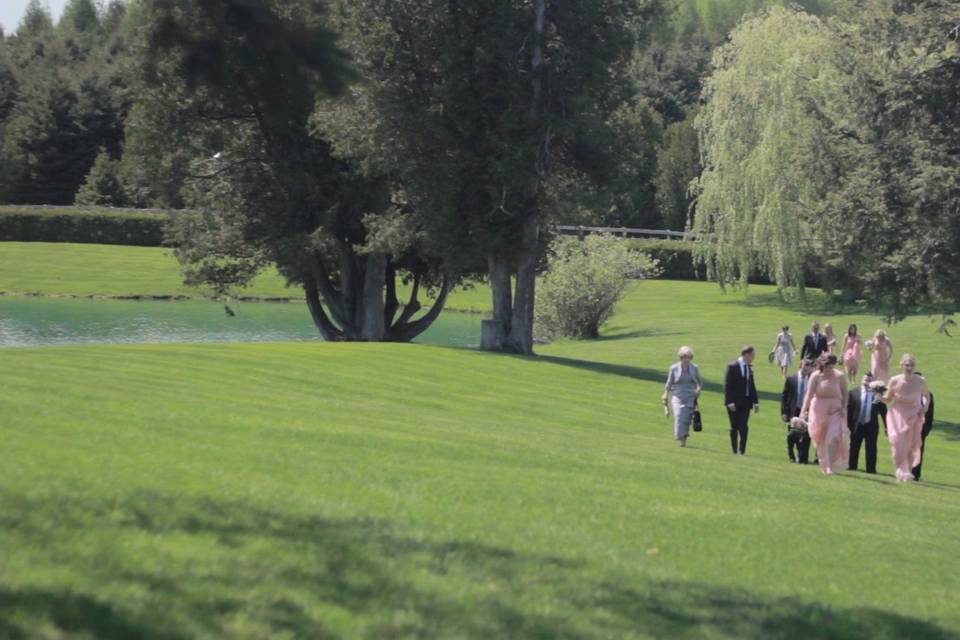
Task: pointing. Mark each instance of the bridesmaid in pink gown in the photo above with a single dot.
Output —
(852, 352)
(882, 354)
(825, 409)
(907, 399)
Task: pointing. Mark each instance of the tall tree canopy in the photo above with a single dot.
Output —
(837, 144)
(240, 80)
(478, 105)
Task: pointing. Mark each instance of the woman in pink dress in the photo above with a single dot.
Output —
(825, 410)
(907, 400)
(882, 350)
(852, 351)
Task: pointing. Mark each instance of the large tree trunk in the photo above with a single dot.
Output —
(512, 325)
(372, 328)
(520, 337)
(363, 305)
(494, 332)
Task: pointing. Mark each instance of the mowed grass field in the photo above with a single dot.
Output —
(112, 271)
(381, 491)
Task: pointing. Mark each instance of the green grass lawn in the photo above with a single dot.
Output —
(381, 491)
(114, 271)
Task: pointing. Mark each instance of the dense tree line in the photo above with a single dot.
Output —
(359, 144)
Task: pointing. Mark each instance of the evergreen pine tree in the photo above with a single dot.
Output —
(36, 20)
(102, 186)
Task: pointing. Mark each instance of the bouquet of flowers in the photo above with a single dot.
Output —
(869, 344)
(879, 388)
(798, 425)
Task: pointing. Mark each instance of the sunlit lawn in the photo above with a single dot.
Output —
(112, 271)
(320, 490)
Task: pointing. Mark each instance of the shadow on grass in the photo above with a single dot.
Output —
(889, 478)
(951, 430)
(640, 373)
(617, 333)
(815, 304)
(214, 568)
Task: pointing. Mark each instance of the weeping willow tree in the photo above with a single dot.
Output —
(768, 152)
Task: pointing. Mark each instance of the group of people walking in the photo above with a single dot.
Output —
(817, 406)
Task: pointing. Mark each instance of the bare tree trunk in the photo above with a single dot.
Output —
(520, 337)
(372, 327)
(500, 286)
(494, 332)
(392, 304)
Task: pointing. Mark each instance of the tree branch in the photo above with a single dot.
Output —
(331, 296)
(414, 329)
(327, 329)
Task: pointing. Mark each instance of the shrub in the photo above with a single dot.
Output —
(674, 257)
(82, 225)
(583, 283)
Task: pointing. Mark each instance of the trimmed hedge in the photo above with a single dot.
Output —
(675, 258)
(135, 227)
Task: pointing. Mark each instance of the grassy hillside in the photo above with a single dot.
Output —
(315, 490)
(111, 271)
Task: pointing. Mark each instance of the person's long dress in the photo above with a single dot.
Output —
(683, 400)
(851, 357)
(880, 361)
(904, 429)
(828, 426)
(784, 352)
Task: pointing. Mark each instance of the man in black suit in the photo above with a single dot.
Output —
(791, 401)
(740, 395)
(814, 343)
(864, 411)
(924, 432)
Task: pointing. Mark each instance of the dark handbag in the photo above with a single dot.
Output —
(697, 420)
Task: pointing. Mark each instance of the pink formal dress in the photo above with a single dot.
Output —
(904, 426)
(880, 361)
(828, 426)
(851, 357)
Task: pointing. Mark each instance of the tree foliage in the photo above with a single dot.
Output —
(478, 106)
(838, 141)
(767, 161)
(239, 82)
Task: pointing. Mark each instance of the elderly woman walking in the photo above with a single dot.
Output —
(683, 388)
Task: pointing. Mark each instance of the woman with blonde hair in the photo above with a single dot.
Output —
(683, 389)
(852, 351)
(825, 410)
(907, 399)
(831, 338)
(882, 353)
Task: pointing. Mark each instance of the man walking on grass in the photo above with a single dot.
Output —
(740, 393)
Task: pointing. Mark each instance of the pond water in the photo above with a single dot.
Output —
(28, 322)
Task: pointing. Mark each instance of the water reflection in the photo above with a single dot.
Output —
(28, 322)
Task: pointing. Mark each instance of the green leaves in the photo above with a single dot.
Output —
(583, 283)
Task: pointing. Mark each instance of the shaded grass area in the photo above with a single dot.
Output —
(113, 271)
(362, 568)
